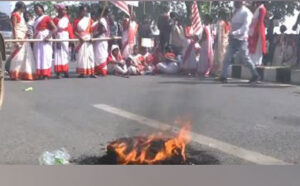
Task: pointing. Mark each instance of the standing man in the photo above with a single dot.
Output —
(164, 26)
(257, 34)
(177, 37)
(238, 41)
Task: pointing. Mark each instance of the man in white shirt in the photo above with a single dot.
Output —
(238, 41)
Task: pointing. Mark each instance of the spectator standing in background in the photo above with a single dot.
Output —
(164, 26)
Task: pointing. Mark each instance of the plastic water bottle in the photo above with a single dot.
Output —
(58, 157)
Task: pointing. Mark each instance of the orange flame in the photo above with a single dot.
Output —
(142, 151)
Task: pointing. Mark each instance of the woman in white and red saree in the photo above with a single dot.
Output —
(61, 49)
(101, 30)
(85, 62)
(44, 28)
(115, 63)
(130, 30)
(206, 61)
(134, 63)
(22, 64)
(257, 34)
(147, 61)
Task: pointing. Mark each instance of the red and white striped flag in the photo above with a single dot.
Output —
(196, 20)
(122, 5)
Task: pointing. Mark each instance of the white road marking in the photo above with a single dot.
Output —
(23, 81)
(236, 151)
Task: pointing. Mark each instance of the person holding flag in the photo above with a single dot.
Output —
(257, 34)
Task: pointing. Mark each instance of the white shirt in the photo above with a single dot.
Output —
(240, 23)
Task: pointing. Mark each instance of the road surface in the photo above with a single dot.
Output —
(235, 123)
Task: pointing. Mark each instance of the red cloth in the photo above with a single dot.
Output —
(69, 28)
(149, 59)
(89, 28)
(227, 26)
(44, 24)
(170, 55)
(61, 68)
(17, 16)
(188, 33)
(111, 58)
(101, 69)
(132, 32)
(259, 31)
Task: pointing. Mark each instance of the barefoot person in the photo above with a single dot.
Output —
(85, 62)
(44, 28)
(238, 41)
(22, 63)
(61, 49)
(101, 30)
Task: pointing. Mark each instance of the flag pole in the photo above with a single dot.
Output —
(131, 11)
(105, 5)
(210, 4)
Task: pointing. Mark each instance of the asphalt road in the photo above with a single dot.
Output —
(60, 113)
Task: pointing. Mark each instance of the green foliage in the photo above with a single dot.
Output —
(154, 8)
(48, 7)
(282, 8)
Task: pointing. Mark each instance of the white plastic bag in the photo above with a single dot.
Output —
(57, 157)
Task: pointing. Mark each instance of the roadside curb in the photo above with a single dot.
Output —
(278, 74)
(295, 76)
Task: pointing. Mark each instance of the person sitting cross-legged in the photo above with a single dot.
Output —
(134, 63)
(116, 65)
(170, 64)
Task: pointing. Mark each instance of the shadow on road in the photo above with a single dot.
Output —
(271, 86)
(199, 82)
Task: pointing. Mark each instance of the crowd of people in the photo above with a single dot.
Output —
(176, 50)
